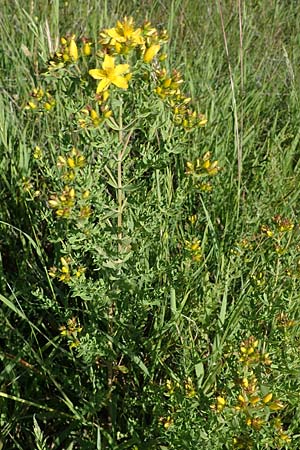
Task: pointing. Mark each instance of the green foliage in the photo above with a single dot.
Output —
(149, 261)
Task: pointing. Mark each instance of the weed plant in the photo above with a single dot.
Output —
(150, 235)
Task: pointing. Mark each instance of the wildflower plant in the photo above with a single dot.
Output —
(251, 410)
(108, 211)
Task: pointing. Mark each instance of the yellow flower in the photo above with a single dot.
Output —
(150, 53)
(124, 32)
(110, 74)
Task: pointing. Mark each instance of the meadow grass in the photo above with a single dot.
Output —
(184, 331)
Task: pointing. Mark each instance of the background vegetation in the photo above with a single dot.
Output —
(193, 342)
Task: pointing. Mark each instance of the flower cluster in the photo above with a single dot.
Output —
(281, 225)
(250, 354)
(64, 203)
(250, 398)
(40, 100)
(167, 422)
(71, 331)
(284, 321)
(66, 54)
(168, 89)
(70, 163)
(259, 279)
(66, 273)
(282, 435)
(253, 402)
(92, 118)
(256, 404)
(153, 40)
(189, 387)
(121, 40)
(172, 387)
(168, 86)
(122, 50)
(69, 199)
(279, 232)
(124, 38)
(175, 392)
(202, 168)
(219, 404)
(194, 249)
(27, 186)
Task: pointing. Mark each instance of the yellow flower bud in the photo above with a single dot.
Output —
(72, 193)
(53, 203)
(253, 400)
(61, 161)
(276, 405)
(61, 213)
(87, 49)
(94, 114)
(245, 382)
(71, 162)
(167, 83)
(107, 114)
(52, 272)
(105, 95)
(85, 194)
(241, 398)
(163, 57)
(118, 47)
(48, 106)
(202, 121)
(213, 171)
(195, 246)
(73, 51)
(206, 164)
(64, 262)
(267, 398)
(284, 437)
(151, 52)
(221, 401)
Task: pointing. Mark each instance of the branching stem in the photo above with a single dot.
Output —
(121, 203)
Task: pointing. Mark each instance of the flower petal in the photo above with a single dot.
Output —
(112, 32)
(108, 63)
(151, 52)
(104, 83)
(121, 68)
(120, 82)
(97, 74)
